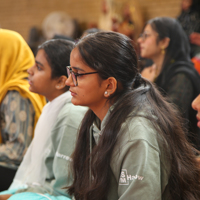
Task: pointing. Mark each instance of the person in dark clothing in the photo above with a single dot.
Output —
(165, 42)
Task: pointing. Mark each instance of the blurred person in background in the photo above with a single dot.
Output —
(164, 41)
(190, 21)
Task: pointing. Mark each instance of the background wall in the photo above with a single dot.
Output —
(21, 15)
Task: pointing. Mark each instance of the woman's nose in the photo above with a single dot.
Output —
(139, 40)
(30, 70)
(69, 81)
(196, 103)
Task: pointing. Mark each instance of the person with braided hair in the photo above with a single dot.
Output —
(131, 143)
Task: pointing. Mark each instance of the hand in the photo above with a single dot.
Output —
(149, 73)
(5, 196)
(195, 38)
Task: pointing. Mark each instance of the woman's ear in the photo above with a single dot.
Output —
(111, 86)
(61, 82)
(164, 43)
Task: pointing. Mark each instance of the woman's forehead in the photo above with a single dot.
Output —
(75, 55)
(149, 28)
(77, 62)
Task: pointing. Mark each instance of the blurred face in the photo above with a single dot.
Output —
(90, 89)
(149, 47)
(186, 4)
(196, 106)
(40, 77)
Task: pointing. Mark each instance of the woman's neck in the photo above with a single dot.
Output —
(158, 61)
(101, 111)
(55, 95)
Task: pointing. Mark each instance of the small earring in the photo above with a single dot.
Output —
(106, 93)
(58, 86)
(163, 51)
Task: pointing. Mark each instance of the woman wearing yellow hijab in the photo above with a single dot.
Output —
(19, 108)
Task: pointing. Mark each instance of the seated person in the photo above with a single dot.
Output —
(164, 41)
(131, 144)
(19, 108)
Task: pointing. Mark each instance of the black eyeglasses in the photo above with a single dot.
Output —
(74, 75)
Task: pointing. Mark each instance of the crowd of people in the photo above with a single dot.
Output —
(81, 121)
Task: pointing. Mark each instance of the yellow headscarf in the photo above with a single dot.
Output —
(15, 58)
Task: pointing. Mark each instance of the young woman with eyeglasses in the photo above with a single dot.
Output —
(164, 41)
(131, 144)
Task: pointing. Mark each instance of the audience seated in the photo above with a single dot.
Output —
(44, 170)
(19, 108)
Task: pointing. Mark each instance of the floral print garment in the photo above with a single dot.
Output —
(16, 123)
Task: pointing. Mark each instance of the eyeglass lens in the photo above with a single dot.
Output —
(73, 76)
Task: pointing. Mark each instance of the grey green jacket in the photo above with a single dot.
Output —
(63, 138)
(139, 166)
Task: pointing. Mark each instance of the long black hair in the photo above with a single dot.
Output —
(177, 61)
(112, 55)
(178, 48)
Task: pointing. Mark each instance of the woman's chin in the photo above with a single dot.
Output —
(143, 55)
(32, 90)
(75, 102)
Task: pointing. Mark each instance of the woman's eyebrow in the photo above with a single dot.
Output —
(77, 68)
(39, 63)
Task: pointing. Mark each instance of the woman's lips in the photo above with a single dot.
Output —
(30, 82)
(72, 93)
(141, 48)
